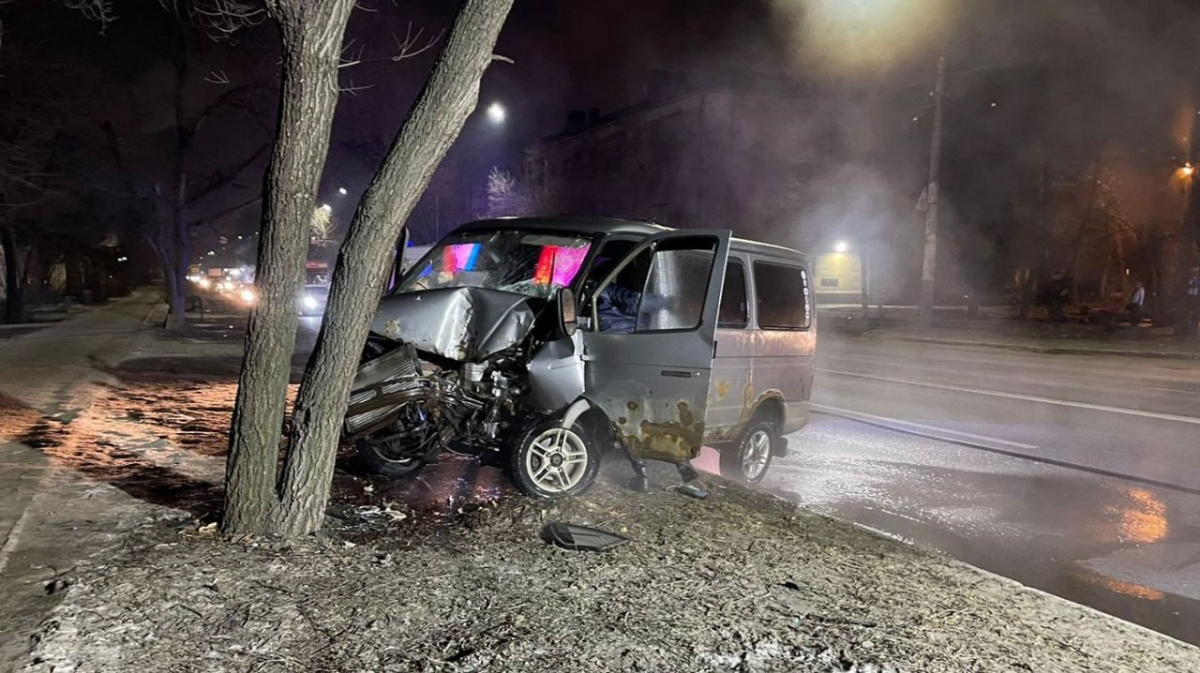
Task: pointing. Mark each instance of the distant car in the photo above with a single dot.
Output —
(313, 299)
(245, 293)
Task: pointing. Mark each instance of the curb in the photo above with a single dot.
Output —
(1045, 350)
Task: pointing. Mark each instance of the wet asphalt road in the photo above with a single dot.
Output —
(1077, 475)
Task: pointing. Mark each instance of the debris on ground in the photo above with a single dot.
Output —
(581, 538)
(739, 582)
(446, 571)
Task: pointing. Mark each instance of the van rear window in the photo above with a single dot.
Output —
(782, 296)
(734, 313)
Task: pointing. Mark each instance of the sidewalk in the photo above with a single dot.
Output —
(47, 381)
(740, 581)
(995, 328)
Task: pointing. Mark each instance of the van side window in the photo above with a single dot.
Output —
(607, 258)
(735, 312)
(782, 300)
(660, 289)
(675, 286)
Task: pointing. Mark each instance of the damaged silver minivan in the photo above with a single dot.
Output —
(553, 340)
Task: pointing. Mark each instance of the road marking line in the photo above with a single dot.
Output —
(981, 444)
(919, 428)
(1177, 390)
(1017, 396)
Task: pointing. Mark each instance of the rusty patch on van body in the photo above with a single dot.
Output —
(728, 434)
(674, 436)
(722, 388)
(751, 402)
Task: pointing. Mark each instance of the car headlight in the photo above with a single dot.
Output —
(309, 302)
(205, 283)
(248, 296)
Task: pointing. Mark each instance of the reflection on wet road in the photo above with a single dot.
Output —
(1094, 504)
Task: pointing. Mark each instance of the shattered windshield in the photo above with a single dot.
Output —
(528, 263)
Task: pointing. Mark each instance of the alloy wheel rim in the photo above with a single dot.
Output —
(756, 454)
(557, 460)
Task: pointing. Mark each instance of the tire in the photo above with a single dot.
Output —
(373, 348)
(377, 462)
(552, 461)
(747, 461)
(375, 458)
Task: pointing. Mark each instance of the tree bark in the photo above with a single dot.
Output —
(448, 98)
(173, 224)
(14, 277)
(311, 34)
(175, 261)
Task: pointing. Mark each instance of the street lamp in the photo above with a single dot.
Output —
(841, 246)
(342, 191)
(496, 113)
(1187, 170)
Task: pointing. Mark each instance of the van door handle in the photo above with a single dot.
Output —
(675, 373)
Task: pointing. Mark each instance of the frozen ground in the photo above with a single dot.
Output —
(447, 572)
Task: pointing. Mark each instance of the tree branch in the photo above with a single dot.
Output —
(99, 11)
(221, 214)
(220, 179)
(408, 47)
(217, 18)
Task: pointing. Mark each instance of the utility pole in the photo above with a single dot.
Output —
(1189, 240)
(864, 260)
(928, 268)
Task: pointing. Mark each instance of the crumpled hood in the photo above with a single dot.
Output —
(466, 324)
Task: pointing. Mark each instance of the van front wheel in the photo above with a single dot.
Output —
(551, 460)
(747, 460)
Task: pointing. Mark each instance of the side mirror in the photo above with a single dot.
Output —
(568, 312)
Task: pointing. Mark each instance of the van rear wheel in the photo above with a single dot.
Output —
(747, 460)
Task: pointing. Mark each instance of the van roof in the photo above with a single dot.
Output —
(612, 225)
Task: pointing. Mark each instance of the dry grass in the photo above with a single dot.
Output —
(740, 581)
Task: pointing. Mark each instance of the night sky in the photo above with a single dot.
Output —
(1069, 73)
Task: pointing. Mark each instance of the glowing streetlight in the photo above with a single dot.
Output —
(1187, 170)
(326, 208)
(841, 246)
(342, 191)
(496, 113)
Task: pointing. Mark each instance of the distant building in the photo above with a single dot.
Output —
(838, 273)
(757, 156)
(716, 157)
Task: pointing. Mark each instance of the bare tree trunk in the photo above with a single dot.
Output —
(311, 33)
(929, 266)
(172, 224)
(1076, 270)
(175, 259)
(175, 307)
(1122, 264)
(1025, 278)
(448, 98)
(14, 277)
(864, 256)
(1104, 277)
(1085, 226)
